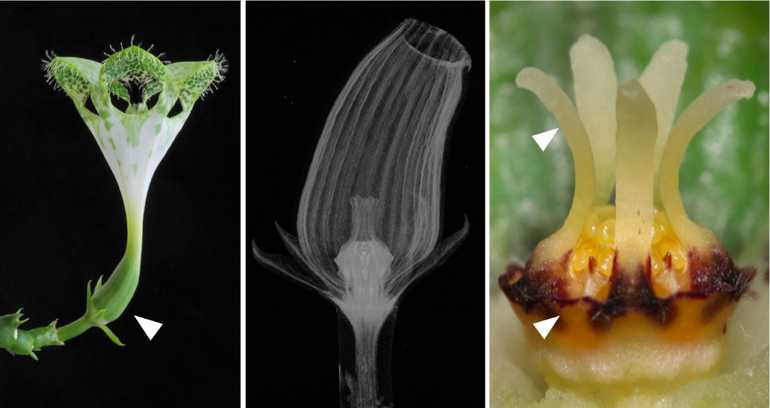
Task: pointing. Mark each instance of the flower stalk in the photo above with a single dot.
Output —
(365, 347)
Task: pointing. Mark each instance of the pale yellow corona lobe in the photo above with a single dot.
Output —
(569, 121)
(595, 89)
(634, 210)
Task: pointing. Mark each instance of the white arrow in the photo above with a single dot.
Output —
(544, 326)
(150, 327)
(544, 138)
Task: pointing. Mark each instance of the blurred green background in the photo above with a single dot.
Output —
(724, 176)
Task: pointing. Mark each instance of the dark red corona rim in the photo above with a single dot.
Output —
(542, 291)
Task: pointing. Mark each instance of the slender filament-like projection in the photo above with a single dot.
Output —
(369, 219)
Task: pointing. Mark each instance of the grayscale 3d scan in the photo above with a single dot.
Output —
(370, 216)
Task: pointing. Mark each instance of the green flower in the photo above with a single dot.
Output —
(133, 142)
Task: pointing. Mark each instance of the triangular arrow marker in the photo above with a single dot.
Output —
(150, 327)
(544, 326)
(544, 138)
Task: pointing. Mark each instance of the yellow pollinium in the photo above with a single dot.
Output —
(667, 253)
(594, 252)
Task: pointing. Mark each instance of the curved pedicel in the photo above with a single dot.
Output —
(133, 143)
(369, 219)
(644, 294)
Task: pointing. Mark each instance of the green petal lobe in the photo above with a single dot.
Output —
(75, 76)
(194, 79)
(134, 75)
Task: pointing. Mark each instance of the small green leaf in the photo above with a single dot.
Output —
(110, 334)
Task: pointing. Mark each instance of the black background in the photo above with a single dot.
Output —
(299, 58)
(62, 221)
